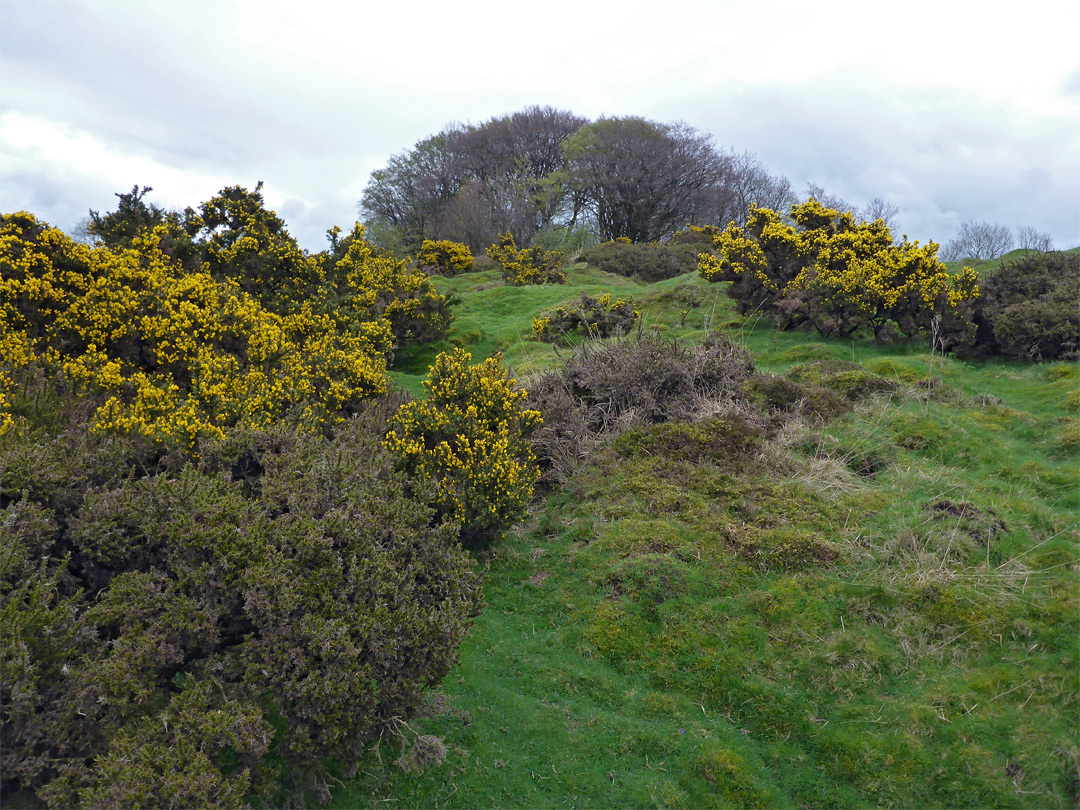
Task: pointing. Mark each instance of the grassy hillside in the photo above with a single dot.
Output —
(877, 609)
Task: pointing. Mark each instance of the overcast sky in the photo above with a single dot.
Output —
(953, 111)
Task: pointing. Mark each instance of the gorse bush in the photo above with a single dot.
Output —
(165, 633)
(242, 240)
(644, 261)
(213, 576)
(839, 276)
(470, 438)
(171, 354)
(1029, 308)
(526, 266)
(374, 285)
(450, 258)
(595, 316)
(178, 349)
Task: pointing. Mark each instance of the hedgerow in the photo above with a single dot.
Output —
(839, 276)
(521, 266)
(469, 436)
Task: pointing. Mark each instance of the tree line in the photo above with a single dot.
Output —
(542, 171)
(548, 175)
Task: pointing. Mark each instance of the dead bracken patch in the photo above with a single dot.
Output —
(427, 750)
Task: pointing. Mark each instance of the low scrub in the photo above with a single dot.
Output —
(644, 261)
(521, 266)
(1028, 309)
(445, 257)
(469, 438)
(607, 389)
(838, 276)
(171, 639)
(597, 317)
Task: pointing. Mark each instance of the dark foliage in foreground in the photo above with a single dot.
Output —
(174, 633)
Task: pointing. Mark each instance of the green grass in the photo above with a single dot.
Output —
(491, 316)
(878, 611)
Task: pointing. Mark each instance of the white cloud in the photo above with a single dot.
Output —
(966, 112)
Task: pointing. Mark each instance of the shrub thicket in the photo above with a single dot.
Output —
(212, 572)
(165, 633)
(597, 316)
(372, 284)
(521, 266)
(645, 261)
(1029, 308)
(172, 354)
(242, 339)
(243, 241)
(469, 438)
(839, 276)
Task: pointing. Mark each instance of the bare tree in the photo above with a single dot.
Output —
(816, 192)
(472, 182)
(878, 208)
(1027, 238)
(749, 182)
(410, 192)
(510, 161)
(642, 180)
(978, 240)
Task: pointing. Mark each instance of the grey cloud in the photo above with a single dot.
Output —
(942, 156)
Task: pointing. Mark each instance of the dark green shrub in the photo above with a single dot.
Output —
(1028, 308)
(167, 626)
(644, 261)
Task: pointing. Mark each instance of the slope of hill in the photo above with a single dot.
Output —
(868, 603)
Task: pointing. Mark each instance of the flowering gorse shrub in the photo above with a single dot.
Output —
(169, 354)
(594, 316)
(449, 257)
(527, 266)
(377, 285)
(837, 275)
(469, 437)
(242, 240)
